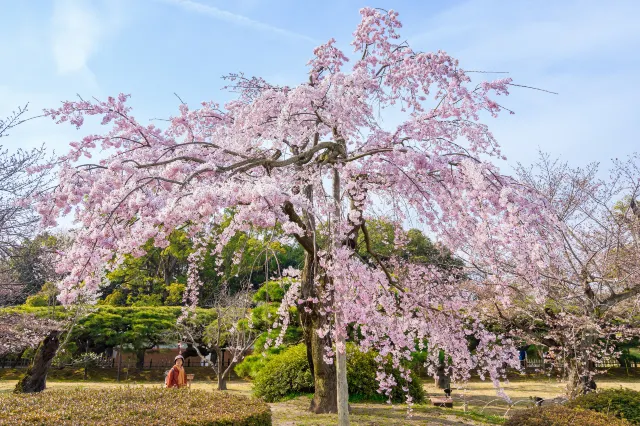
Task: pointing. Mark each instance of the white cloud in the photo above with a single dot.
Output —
(76, 31)
(237, 19)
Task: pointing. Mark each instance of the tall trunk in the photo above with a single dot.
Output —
(35, 379)
(324, 375)
(222, 380)
(581, 369)
(119, 363)
(140, 359)
(325, 399)
(580, 378)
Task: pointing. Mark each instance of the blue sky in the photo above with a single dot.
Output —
(587, 51)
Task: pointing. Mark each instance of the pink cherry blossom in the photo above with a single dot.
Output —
(274, 153)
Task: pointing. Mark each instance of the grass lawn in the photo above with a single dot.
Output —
(294, 412)
(480, 396)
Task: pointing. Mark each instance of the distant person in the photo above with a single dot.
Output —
(176, 377)
(523, 356)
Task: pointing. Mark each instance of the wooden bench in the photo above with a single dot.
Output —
(442, 401)
(190, 379)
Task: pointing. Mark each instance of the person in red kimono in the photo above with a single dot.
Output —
(176, 378)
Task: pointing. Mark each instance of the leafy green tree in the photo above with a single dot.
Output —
(133, 328)
(418, 248)
(147, 280)
(158, 276)
(31, 264)
(267, 301)
(261, 253)
(147, 329)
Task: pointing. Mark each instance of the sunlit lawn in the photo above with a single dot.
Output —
(294, 412)
(481, 396)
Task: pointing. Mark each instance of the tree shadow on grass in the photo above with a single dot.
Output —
(295, 412)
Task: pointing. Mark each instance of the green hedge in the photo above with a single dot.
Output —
(558, 415)
(132, 405)
(109, 375)
(622, 403)
(361, 377)
(287, 374)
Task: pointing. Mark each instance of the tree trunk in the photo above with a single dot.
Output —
(581, 371)
(140, 359)
(325, 398)
(342, 387)
(35, 379)
(119, 363)
(222, 382)
(580, 377)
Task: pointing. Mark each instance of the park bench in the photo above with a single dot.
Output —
(442, 401)
(190, 379)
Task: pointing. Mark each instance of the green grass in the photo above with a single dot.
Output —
(293, 411)
(127, 405)
(108, 375)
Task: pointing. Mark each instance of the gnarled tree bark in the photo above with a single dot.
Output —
(325, 397)
(35, 380)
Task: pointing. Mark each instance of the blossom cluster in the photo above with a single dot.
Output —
(270, 154)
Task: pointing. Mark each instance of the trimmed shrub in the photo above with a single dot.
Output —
(361, 377)
(287, 374)
(558, 415)
(132, 405)
(622, 403)
(252, 364)
(37, 300)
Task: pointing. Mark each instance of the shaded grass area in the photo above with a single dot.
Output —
(295, 413)
(481, 396)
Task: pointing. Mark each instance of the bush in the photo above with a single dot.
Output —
(252, 364)
(117, 298)
(272, 291)
(361, 377)
(288, 374)
(284, 375)
(622, 403)
(558, 415)
(132, 405)
(37, 300)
